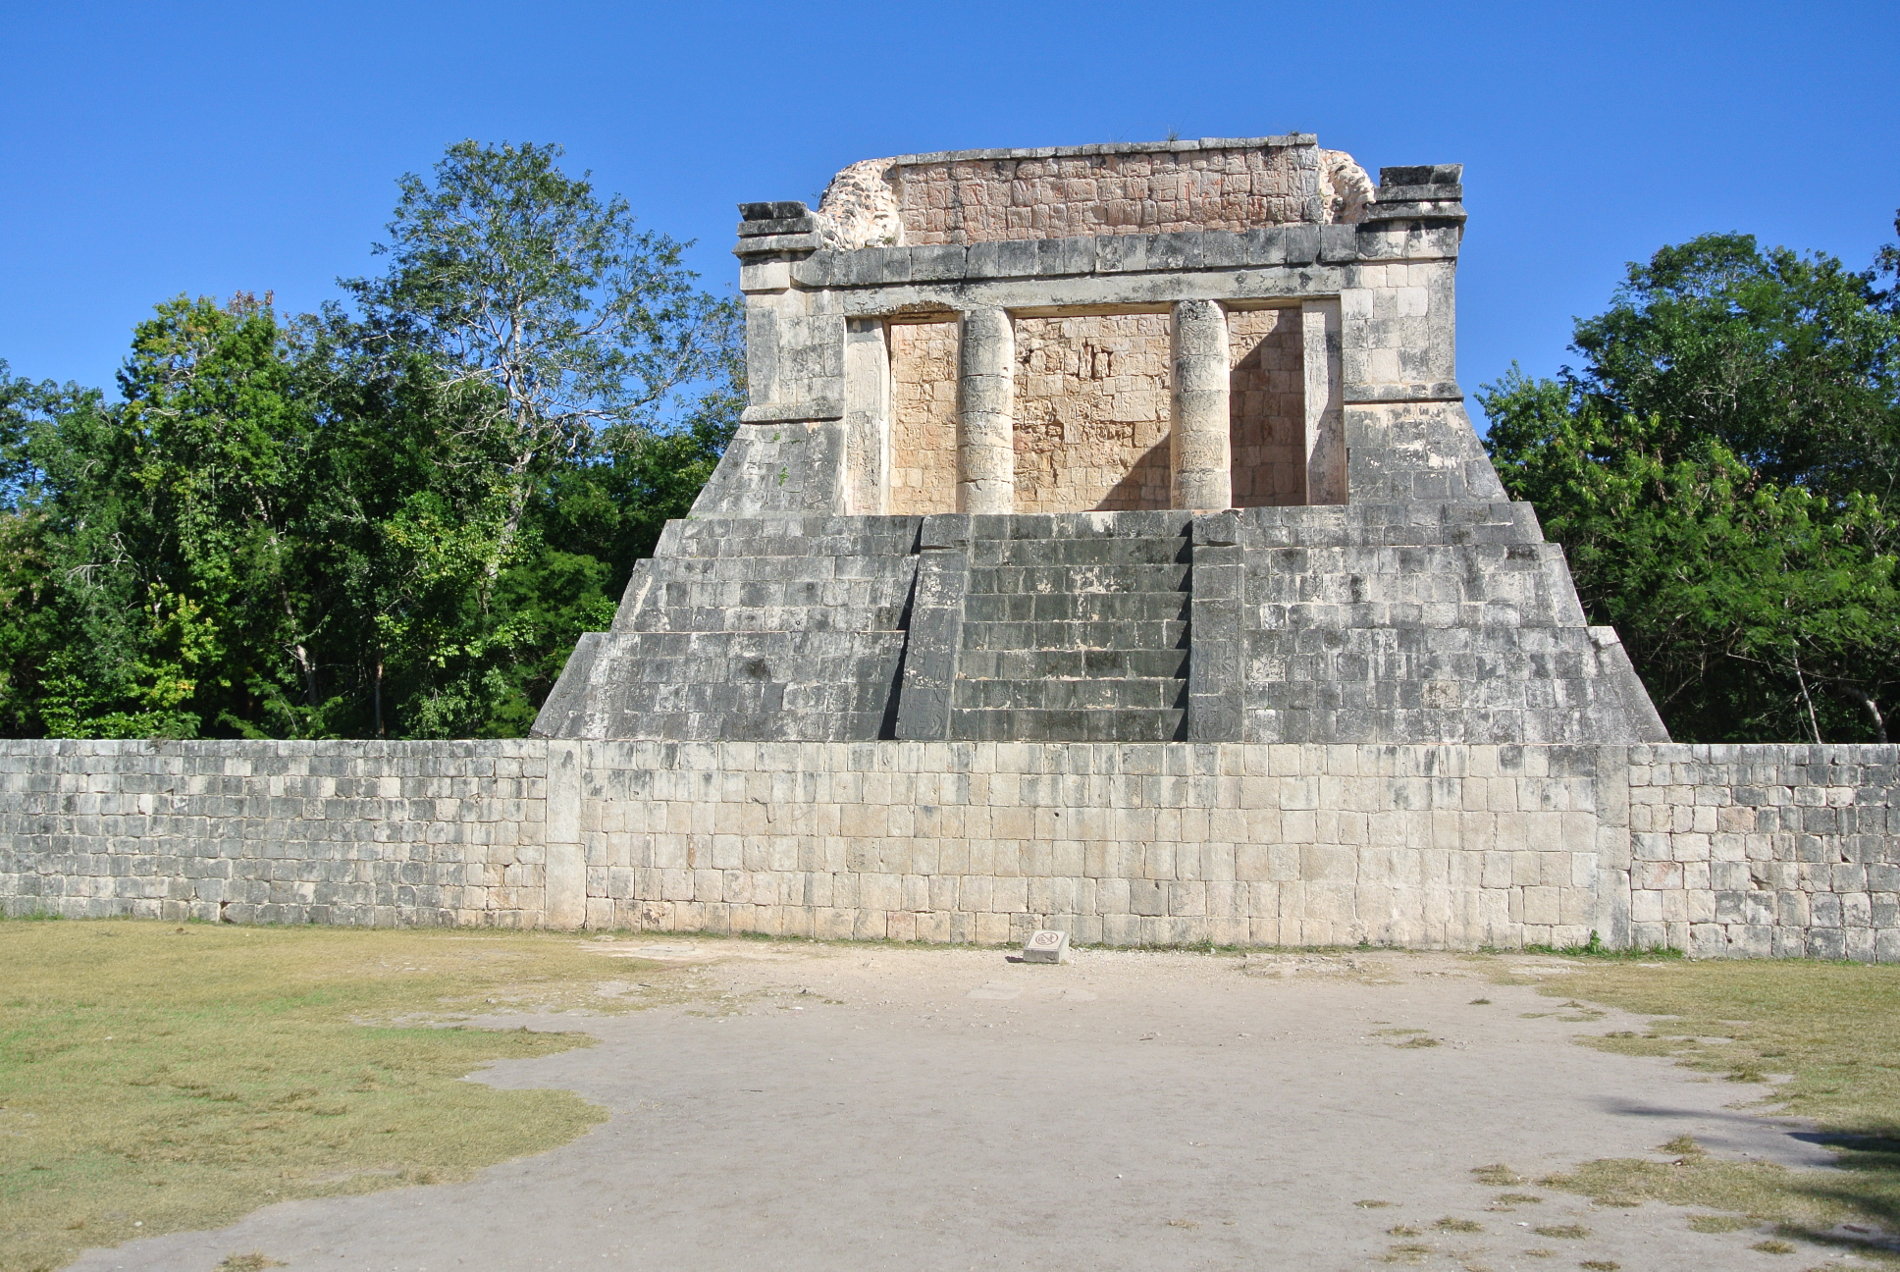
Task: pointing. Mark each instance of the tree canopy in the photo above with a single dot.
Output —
(387, 521)
(1721, 469)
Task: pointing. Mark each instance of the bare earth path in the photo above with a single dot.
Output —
(870, 1107)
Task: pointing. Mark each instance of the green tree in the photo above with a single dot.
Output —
(579, 386)
(1721, 471)
(510, 274)
(387, 524)
(169, 531)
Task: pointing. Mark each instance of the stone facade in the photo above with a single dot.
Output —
(976, 196)
(1730, 850)
(1755, 850)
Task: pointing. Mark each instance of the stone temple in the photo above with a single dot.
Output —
(1106, 550)
(1114, 443)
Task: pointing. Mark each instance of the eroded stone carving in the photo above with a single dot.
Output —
(1344, 187)
(859, 208)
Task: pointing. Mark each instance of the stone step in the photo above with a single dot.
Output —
(1056, 580)
(789, 536)
(1123, 635)
(1153, 550)
(826, 654)
(779, 571)
(777, 725)
(1140, 694)
(737, 694)
(778, 618)
(1081, 525)
(1072, 664)
(1072, 607)
(1488, 614)
(1069, 726)
(1360, 525)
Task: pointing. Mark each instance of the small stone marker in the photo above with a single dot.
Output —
(1046, 946)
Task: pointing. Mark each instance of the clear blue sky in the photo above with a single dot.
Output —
(157, 148)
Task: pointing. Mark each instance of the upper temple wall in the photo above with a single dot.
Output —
(983, 196)
(1336, 297)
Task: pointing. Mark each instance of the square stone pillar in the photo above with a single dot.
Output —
(1199, 444)
(867, 417)
(1325, 416)
(986, 423)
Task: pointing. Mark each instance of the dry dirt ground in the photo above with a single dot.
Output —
(868, 1107)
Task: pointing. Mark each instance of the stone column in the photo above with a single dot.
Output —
(1199, 447)
(1325, 417)
(986, 428)
(867, 417)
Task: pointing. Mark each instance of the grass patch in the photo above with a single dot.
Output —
(1497, 1175)
(1720, 1223)
(1833, 1028)
(1450, 1224)
(157, 1078)
(1563, 1231)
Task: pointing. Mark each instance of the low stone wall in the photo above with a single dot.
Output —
(1748, 850)
(358, 833)
(1127, 844)
(1766, 850)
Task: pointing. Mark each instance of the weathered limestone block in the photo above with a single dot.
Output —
(1092, 413)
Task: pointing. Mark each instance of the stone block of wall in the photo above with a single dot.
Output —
(923, 418)
(959, 199)
(1092, 413)
(1114, 843)
(1267, 403)
(1748, 851)
(352, 833)
(1766, 850)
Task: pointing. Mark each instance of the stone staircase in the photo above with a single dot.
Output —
(1075, 628)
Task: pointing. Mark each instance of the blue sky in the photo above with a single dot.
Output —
(159, 148)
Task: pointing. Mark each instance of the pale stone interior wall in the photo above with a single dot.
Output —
(1267, 405)
(923, 418)
(1092, 413)
(983, 200)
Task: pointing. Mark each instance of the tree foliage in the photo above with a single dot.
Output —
(393, 522)
(1721, 470)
